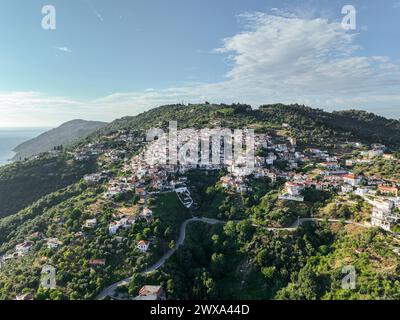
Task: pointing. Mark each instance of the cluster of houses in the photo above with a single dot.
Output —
(114, 226)
(382, 214)
(118, 186)
(126, 138)
(144, 178)
(123, 221)
(25, 247)
(381, 194)
(96, 178)
(384, 201)
(333, 173)
(235, 183)
(89, 151)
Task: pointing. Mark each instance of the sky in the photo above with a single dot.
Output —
(108, 59)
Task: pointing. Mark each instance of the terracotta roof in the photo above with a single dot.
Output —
(350, 176)
(97, 262)
(388, 188)
(149, 290)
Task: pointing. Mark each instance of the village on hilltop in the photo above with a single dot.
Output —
(146, 177)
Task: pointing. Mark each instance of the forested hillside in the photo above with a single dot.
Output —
(233, 243)
(22, 183)
(309, 124)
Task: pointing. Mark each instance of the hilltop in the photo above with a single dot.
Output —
(321, 198)
(310, 125)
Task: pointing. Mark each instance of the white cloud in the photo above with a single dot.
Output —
(299, 57)
(287, 59)
(276, 58)
(64, 49)
(35, 109)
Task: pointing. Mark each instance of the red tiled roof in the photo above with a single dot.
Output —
(97, 262)
(143, 243)
(388, 188)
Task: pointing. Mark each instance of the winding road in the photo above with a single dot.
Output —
(110, 290)
(301, 221)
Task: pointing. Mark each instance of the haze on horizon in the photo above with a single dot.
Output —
(109, 59)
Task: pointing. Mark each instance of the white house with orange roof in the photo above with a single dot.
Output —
(388, 190)
(293, 189)
(143, 245)
(352, 179)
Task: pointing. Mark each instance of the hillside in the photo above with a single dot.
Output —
(309, 125)
(249, 247)
(64, 135)
(22, 183)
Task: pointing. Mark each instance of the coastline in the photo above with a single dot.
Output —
(10, 138)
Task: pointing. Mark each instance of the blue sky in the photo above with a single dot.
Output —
(107, 59)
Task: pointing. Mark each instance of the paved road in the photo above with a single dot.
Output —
(303, 220)
(110, 291)
(179, 242)
(299, 222)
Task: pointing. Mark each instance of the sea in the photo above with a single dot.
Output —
(12, 137)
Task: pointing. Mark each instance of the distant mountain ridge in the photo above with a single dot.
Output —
(63, 135)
